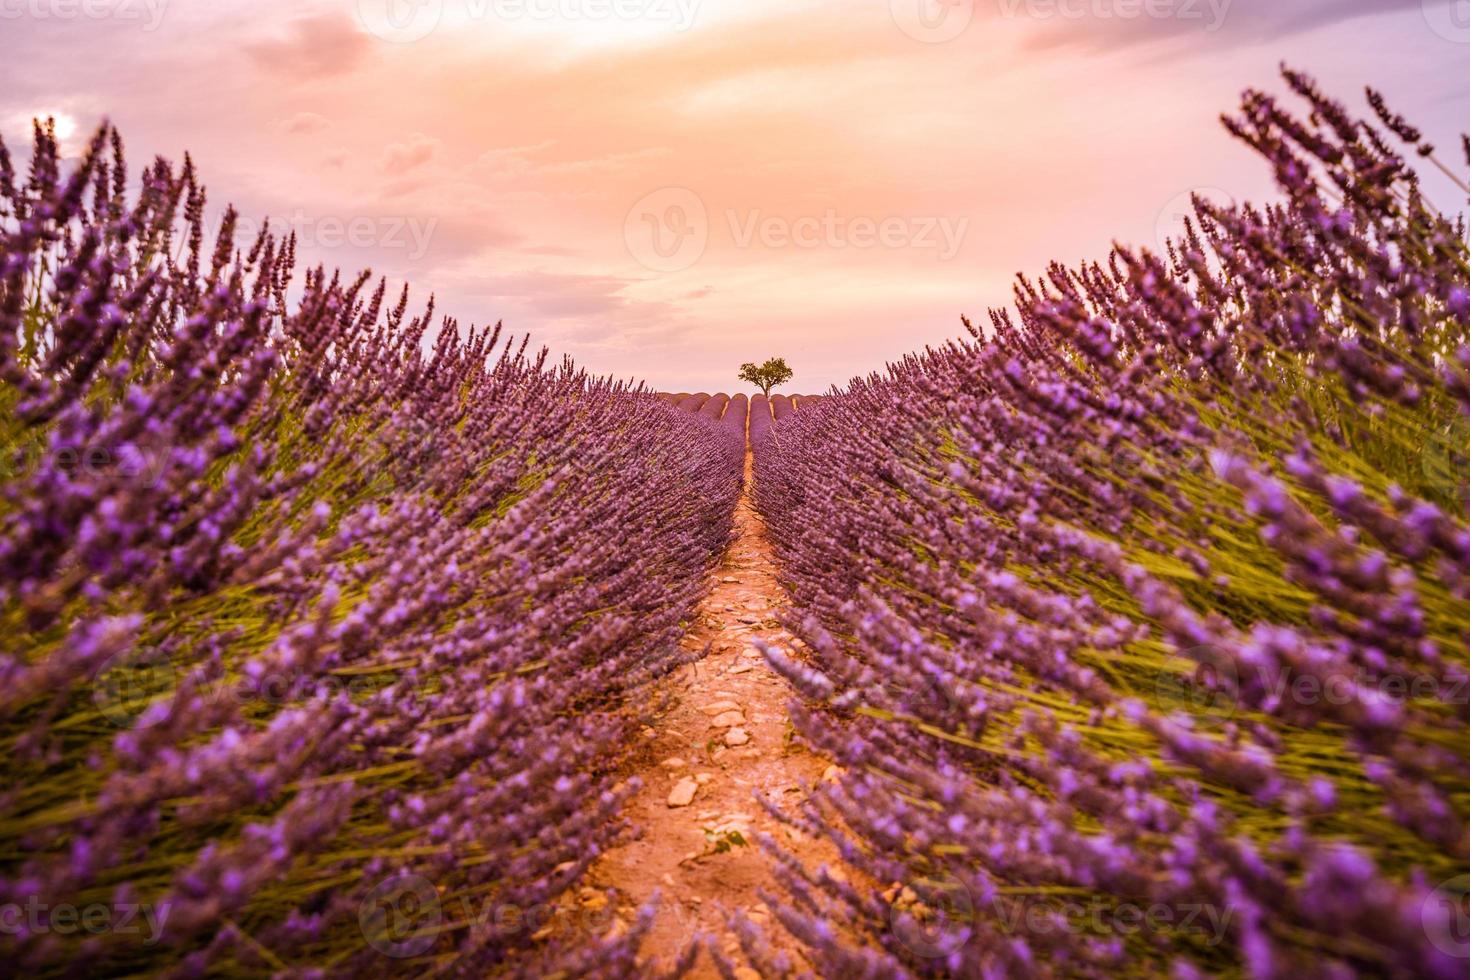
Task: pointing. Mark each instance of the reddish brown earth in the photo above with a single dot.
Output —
(727, 736)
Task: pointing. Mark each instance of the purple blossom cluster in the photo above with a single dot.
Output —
(736, 419)
(1062, 587)
(453, 566)
(761, 420)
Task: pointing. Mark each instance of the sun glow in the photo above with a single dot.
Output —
(65, 123)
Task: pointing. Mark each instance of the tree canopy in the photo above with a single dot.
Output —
(766, 376)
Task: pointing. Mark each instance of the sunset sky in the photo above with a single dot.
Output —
(666, 188)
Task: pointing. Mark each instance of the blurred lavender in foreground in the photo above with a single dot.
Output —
(1139, 623)
(325, 632)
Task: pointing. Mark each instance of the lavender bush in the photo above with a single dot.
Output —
(1139, 623)
(760, 422)
(326, 631)
(735, 420)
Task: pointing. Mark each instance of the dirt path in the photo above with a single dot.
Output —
(726, 738)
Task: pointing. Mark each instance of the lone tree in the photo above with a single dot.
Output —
(766, 376)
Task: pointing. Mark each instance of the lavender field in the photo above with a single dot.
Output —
(1128, 635)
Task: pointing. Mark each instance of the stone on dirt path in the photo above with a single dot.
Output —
(683, 792)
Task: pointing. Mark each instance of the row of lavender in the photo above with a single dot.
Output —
(1141, 625)
(324, 639)
(732, 413)
(718, 407)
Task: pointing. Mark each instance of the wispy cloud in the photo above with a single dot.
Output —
(412, 153)
(1189, 25)
(313, 46)
(306, 122)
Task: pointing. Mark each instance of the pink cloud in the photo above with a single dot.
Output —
(417, 150)
(317, 45)
(306, 122)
